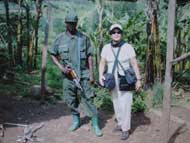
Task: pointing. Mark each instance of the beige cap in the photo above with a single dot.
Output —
(113, 26)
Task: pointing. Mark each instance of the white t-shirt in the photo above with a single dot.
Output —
(126, 53)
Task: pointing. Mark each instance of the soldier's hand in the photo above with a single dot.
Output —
(67, 69)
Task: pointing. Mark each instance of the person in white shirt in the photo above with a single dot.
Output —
(122, 100)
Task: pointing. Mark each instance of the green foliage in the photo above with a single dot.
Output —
(30, 79)
(134, 33)
(54, 76)
(59, 24)
(20, 85)
(158, 92)
(103, 99)
(139, 104)
(12, 89)
(183, 77)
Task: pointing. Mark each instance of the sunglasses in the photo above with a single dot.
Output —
(114, 32)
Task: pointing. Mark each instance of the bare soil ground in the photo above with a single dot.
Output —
(57, 119)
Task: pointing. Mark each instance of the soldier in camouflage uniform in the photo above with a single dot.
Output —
(72, 49)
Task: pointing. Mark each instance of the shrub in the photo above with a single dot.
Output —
(103, 99)
(158, 92)
(139, 104)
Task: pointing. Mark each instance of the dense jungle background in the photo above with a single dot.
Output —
(31, 85)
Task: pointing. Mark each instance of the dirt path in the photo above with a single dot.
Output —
(57, 119)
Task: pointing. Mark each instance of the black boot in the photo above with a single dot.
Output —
(124, 135)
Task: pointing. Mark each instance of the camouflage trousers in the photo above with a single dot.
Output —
(75, 97)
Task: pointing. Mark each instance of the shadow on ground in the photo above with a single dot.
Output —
(103, 117)
(139, 119)
(27, 111)
(180, 130)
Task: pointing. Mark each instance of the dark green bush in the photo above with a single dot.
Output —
(139, 104)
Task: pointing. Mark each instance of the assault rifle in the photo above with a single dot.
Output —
(76, 79)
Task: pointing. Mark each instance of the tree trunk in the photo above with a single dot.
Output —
(100, 9)
(168, 77)
(153, 61)
(100, 29)
(44, 52)
(29, 50)
(38, 15)
(9, 35)
(19, 34)
(149, 73)
(157, 58)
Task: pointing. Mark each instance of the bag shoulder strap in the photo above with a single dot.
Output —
(116, 56)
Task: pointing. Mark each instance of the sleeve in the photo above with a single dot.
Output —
(89, 47)
(53, 50)
(131, 51)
